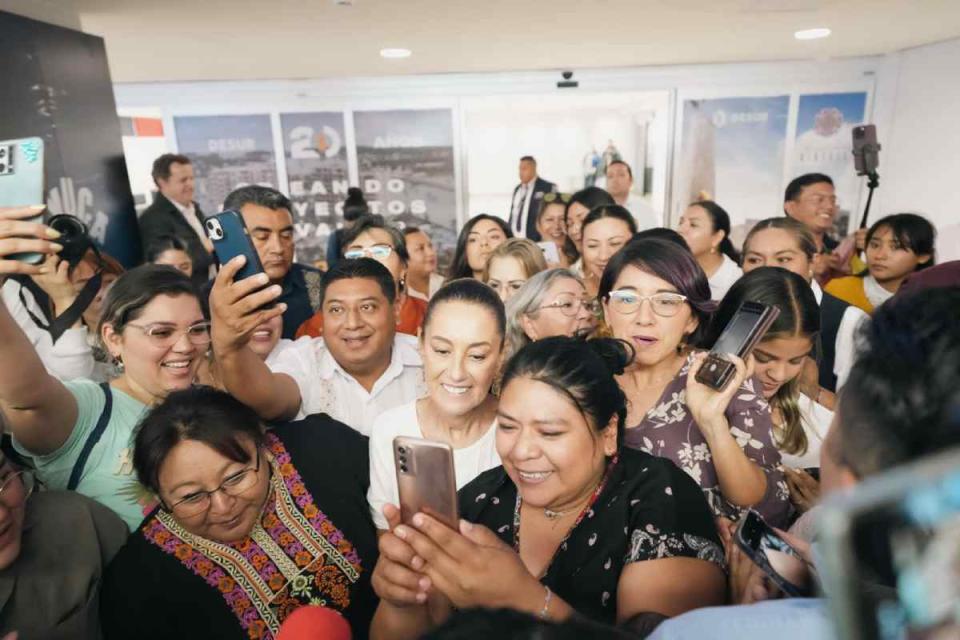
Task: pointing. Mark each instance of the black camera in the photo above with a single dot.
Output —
(73, 238)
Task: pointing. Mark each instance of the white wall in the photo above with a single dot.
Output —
(920, 159)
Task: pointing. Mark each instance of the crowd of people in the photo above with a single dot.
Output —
(189, 454)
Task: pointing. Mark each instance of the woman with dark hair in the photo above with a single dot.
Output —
(354, 207)
(461, 347)
(570, 524)
(799, 422)
(251, 525)
(784, 242)
(605, 231)
(78, 433)
(656, 297)
(422, 278)
(551, 226)
(579, 205)
(171, 251)
(705, 226)
(896, 246)
(371, 237)
(479, 237)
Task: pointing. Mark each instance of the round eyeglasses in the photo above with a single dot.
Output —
(166, 335)
(570, 305)
(628, 302)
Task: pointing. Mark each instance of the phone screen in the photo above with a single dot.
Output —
(738, 331)
(774, 555)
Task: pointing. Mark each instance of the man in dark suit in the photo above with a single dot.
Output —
(527, 198)
(174, 213)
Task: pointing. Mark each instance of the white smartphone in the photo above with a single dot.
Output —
(550, 253)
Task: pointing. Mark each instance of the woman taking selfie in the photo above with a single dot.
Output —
(551, 303)
(461, 346)
(605, 231)
(479, 237)
(784, 242)
(799, 422)
(552, 229)
(571, 523)
(512, 264)
(251, 525)
(655, 296)
(77, 433)
(705, 226)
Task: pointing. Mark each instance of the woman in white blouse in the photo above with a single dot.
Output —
(799, 422)
(705, 226)
(461, 345)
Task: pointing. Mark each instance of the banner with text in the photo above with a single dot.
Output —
(406, 170)
(824, 144)
(732, 151)
(227, 152)
(314, 148)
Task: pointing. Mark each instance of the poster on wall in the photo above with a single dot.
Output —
(732, 151)
(314, 149)
(56, 86)
(227, 152)
(406, 170)
(823, 144)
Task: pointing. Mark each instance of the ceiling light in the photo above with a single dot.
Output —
(394, 54)
(812, 34)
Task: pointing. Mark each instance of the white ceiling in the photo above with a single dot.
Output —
(182, 40)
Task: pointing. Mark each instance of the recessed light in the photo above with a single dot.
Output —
(812, 34)
(395, 53)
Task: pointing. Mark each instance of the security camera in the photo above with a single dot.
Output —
(567, 82)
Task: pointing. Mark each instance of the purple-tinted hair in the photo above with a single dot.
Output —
(667, 261)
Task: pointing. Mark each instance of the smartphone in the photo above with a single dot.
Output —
(866, 151)
(813, 472)
(550, 253)
(21, 182)
(230, 239)
(741, 334)
(426, 480)
(778, 560)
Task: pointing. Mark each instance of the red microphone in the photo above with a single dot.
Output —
(312, 622)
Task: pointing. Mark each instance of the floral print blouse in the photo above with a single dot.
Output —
(669, 430)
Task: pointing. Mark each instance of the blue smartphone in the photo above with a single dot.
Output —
(21, 182)
(230, 239)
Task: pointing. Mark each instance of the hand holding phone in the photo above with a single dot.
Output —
(782, 563)
(21, 185)
(742, 333)
(239, 307)
(426, 480)
(21, 236)
(550, 253)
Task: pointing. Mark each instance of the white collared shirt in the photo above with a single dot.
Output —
(724, 278)
(520, 216)
(846, 347)
(190, 215)
(326, 388)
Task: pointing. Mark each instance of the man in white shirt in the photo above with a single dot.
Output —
(527, 198)
(619, 186)
(358, 369)
(174, 213)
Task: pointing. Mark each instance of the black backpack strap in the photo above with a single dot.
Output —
(92, 439)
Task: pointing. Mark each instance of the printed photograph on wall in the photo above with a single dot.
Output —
(824, 143)
(227, 152)
(732, 151)
(406, 170)
(314, 149)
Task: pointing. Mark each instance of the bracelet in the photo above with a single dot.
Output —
(546, 603)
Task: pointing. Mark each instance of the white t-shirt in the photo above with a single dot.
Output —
(723, 279)
(816, 420)
(468, 462)
(326, 388)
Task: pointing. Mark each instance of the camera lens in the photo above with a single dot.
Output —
(403, 468)
(402, 450)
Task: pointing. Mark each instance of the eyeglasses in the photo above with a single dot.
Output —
(663, 304)
(377, 252)
(555, 196)
(199, 501)
(14, 492)
(570, 305)
(163, 335)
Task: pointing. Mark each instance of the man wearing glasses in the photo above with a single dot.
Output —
(54, 546)
(267, 214)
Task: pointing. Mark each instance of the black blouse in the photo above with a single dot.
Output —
(648, 509)
(314, 544)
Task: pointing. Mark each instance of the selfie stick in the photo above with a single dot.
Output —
(873, 181)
